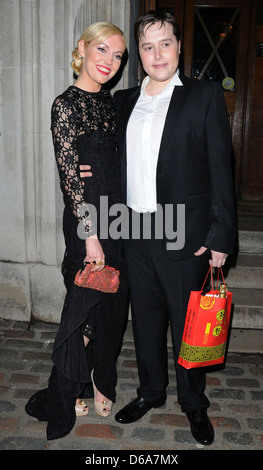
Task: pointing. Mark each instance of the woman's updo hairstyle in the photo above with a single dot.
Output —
(100, 31)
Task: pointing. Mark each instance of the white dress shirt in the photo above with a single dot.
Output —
(144, 133)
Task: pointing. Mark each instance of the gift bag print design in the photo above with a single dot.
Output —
(206, 329)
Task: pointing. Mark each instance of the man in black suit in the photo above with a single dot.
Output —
(175, 146)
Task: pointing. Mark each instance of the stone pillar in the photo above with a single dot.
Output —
(36, 41)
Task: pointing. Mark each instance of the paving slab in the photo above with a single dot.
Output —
(235, 391)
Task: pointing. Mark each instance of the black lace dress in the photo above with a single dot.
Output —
(84, 132)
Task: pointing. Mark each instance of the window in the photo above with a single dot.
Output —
(215, 45)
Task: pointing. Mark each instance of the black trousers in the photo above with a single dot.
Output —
(160, 291)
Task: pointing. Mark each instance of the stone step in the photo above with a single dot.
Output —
(247, 272)
(245, 279)
(247, 308)
(250, 241)
(240, 339)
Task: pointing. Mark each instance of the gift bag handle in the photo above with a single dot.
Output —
(212, 282)
(220, 270)
(210, 269)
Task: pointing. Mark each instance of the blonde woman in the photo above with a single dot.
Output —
(83, 127)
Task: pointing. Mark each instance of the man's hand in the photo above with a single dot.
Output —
(218, 259)
(84, 173)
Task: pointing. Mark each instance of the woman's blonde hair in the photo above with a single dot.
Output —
(101, 31)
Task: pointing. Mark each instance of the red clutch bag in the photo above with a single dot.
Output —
(106, 280)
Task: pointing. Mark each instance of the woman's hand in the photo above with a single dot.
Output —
(94, 252)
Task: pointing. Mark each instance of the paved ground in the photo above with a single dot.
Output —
(235, 392)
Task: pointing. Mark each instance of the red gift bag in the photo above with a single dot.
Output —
(206, 327)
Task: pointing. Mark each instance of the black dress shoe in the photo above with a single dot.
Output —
(136, 409)
(201, 428)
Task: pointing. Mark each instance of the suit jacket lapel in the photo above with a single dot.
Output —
(122, 123)
(127, 109)
(125, 116)
(175, 110)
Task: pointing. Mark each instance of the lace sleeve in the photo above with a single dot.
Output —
(64, 133)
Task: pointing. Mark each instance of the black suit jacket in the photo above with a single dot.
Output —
(194, 164)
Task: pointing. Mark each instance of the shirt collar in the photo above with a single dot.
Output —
(175, 81)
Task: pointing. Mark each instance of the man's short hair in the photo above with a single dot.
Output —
(153, 17)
